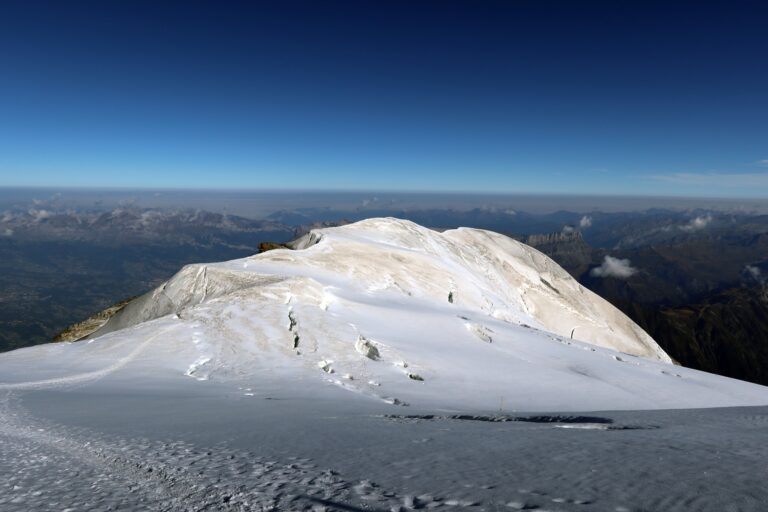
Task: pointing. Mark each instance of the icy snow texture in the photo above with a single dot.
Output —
(483, 272)
(365, 308)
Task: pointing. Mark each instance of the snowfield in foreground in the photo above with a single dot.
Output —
(379, 366)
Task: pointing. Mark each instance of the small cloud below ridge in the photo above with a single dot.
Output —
(697, 223)
(39, 215)
(614, 267)
(755, 273)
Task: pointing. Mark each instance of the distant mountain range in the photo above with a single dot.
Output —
(57, 268)
(124, 225)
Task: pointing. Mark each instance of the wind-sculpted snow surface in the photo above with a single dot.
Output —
(476, 270)
(465, 319)
(379, 366)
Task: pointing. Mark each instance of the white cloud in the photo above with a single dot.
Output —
(568, 229)
(698, 223)
(8, 232)
(148, 217)
(585, 222)
(754, 272)
(39, 215)
(614, 267)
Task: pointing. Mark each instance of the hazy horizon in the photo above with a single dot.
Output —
(259, 203)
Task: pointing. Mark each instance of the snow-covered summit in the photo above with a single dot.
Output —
(476, 271)
(389, 310)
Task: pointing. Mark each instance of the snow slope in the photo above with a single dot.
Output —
(279, 382)
(461, 320)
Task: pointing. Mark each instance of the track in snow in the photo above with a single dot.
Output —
(81, 378)
(53, 467)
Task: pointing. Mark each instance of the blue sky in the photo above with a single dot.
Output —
(510, 96)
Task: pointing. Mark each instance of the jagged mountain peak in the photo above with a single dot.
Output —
(560, 236)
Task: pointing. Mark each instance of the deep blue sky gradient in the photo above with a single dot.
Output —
(628, 97)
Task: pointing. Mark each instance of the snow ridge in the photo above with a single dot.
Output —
(391, 311)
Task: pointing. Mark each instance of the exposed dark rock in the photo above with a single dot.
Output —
(83, 329)
(269, 246)
(725, 333)
(568, 249)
